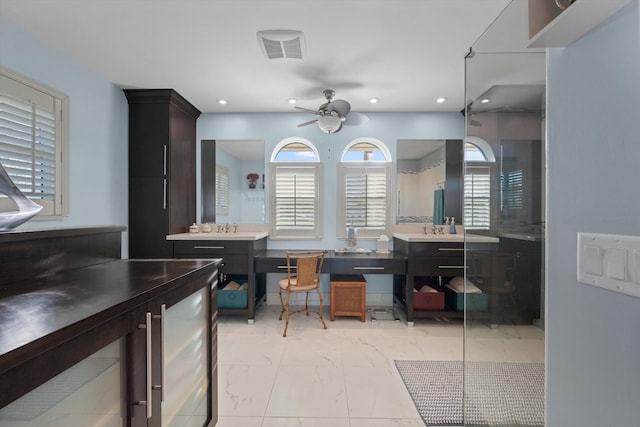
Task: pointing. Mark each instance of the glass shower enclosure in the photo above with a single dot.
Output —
(504, 219)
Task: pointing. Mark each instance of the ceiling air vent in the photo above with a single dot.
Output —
(281, 44)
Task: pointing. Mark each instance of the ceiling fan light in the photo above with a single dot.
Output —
(292, 101)
(329, 123)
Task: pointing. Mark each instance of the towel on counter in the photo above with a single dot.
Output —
(438, 207)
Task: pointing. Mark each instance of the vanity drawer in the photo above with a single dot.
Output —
(368, 266)
(234, 264)
(437, 266)
(279, 265)
(437, 249)
(207, 248)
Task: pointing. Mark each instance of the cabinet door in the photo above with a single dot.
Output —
(186, 373)
(148, 218)
(86, 392)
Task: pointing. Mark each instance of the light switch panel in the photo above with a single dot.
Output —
(610, 261)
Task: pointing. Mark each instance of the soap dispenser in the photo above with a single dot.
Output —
(452, 229)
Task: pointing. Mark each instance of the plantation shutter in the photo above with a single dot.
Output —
(512, 190)
(222, 190)
(477, 197)
(28, 141)
(366, 198)
(296, 199)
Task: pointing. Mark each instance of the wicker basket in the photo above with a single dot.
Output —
(348, 296)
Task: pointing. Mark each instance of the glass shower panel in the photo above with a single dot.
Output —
(504, 221)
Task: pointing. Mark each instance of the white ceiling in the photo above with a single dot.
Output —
(405, 52)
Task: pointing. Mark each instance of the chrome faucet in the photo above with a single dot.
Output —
(227, 227)
(235, 228)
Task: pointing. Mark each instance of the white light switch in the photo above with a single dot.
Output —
(610, 261)
(593, 260)
(616, 262)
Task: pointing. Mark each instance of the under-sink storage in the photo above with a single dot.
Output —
(427, 300)
(237, 263)
(231, 296)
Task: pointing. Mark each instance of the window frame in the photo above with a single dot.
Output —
(312, 167)
(19, 87)
(362, 167)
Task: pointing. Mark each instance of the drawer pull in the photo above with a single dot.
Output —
(451, 249)
(284, 267)
(453, 266)
(208, 247)
(368, 268)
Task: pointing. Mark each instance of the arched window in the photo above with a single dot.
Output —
(364, 188)
(295, 176)
(478, 157)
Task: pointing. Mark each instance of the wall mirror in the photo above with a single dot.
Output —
(233, 181)
(428, 180)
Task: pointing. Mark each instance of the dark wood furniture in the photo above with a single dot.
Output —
(65, 294)
(426, 259)
(162, 169)
(237, 263)
(275, 261)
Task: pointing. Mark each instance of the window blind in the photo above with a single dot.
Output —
(222, 190)
(30, 142)
(296, 199)
(512, 184)
(366, 199)
(477, 197)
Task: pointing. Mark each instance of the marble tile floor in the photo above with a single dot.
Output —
(343, 376)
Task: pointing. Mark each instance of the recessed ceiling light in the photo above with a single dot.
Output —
(292, 101)
(485, 100)
(441, 100)
(222, 101)
(374, 100)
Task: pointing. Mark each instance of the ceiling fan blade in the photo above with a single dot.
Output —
(307, 110)
(355, 119)
(340, 106)
(310, 122)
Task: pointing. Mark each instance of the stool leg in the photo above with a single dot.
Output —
(320, 311)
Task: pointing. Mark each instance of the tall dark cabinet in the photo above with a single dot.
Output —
(162, 169)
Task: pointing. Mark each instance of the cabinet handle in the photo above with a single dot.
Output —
(164, 194)
(451, 249)
(164, 161)
(147, 403)
(368, 268)
(163, 309)
(453, 266)
(284, 267)
(208, 247)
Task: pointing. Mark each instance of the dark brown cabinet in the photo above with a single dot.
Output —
(162, 169)
(150, 320)
(426, 260)
(237, 262)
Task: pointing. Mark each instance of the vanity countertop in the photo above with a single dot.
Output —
(437, 238)
(243, 235)
(532, 237)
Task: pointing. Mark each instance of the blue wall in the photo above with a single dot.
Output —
(593, 335)
(98, 130)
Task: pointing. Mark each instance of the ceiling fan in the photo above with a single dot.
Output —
(333, 114)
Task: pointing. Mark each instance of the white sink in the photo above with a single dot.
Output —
(241, 235)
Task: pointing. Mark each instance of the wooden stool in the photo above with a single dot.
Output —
(348, 296)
